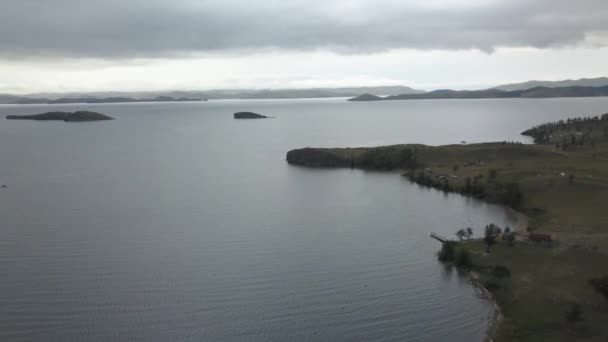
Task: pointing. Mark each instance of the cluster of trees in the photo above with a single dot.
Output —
(545, 133)
(566, 141)
(511, 142)
(491, 233)
(508, 194)
(452, 251)
(378, 158)
(474, 186)
(388, 158)
(430, 180)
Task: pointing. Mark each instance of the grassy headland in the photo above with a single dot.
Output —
(560, 183)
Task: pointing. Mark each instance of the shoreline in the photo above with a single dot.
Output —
(521, 225)
(326, 160)
(496, 318)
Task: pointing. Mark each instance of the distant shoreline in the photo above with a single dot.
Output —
(92, 100)
(532, 93)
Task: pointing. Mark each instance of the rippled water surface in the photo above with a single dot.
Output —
(176, 222)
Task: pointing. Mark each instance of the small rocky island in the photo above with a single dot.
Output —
(249, 115)
(79, 116)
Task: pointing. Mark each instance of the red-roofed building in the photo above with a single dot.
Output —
(544, 238)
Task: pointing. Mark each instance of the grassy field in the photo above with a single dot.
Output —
(561, 184)
(542, 286)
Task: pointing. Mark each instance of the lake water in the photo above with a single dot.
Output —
(176, 222)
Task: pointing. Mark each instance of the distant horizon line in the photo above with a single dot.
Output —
(480, 86)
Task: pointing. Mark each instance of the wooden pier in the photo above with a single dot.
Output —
(439, 238)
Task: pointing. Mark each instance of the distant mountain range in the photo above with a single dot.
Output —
(28, 100)
(537, 92)
(532, 89)
(171, 96)
(583, 82)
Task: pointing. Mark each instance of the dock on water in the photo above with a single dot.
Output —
(439, 238)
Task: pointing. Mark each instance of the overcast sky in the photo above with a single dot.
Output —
(89, 45)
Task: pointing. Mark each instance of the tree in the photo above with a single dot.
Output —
(461, 233)
(491, 232)
(511, 239)
(469, 232)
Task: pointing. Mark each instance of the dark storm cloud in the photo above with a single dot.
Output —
(161, 28)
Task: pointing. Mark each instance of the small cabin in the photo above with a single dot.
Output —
(541, 238)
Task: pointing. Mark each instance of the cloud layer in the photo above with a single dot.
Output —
(168, 28)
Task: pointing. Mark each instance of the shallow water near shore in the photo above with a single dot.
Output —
(177, 222)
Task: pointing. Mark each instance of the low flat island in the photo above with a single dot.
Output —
(79, 116)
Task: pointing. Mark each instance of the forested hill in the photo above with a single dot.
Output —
(538, 92)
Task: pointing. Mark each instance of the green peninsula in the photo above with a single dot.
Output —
(559, 184)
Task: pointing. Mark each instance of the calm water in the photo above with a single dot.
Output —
(176, 222)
